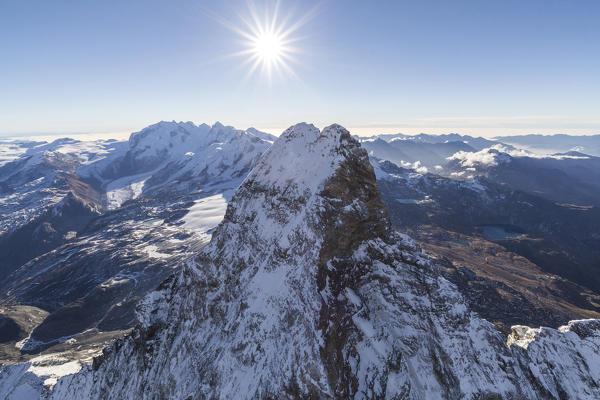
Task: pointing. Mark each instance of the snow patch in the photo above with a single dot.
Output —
(205, 214)
(152, 251)
(53, 367)
(119, 195)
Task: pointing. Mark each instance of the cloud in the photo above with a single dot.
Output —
(487, 157)
(421, 169)
(499, 153)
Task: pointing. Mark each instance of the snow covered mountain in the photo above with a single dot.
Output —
(43, 201)
(105, 223)
(305, 291)
(176, 157)
(50, 191)
(555, 143)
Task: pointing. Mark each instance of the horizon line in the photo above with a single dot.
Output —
(367, 131)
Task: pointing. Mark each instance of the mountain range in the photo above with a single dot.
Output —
(555, 143)
(84, 261)
(209, 262)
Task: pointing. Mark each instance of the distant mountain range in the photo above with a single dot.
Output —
(90, 229)
(567, 177)
(555, 143)
(517, 235)
(541, 144)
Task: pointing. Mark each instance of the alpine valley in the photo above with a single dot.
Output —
(207, 262)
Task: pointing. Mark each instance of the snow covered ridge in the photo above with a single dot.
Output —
(178, 156)
(164, 156)
(306, 292)
(39, 175)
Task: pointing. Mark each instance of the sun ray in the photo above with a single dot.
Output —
(270, 41)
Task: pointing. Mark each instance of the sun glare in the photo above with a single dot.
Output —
(268, 47)
(268, 41)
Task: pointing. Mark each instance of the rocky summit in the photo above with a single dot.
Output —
(305, 291)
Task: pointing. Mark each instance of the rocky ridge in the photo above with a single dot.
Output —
(306, 292)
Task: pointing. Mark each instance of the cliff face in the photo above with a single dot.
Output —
(306, 292)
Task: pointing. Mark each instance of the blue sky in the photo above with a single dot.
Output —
(478, 67)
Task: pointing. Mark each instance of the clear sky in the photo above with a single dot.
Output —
(478, 67)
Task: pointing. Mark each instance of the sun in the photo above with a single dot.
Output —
(269, 41)
(268, 47)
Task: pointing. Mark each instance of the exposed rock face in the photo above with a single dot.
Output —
(306, 292)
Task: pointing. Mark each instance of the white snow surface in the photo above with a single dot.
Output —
(124, 189)
(303, 158)
(28, 381)
(248, 318)
(206, 214)
(12, 149)
(86, 152)
(17, 383)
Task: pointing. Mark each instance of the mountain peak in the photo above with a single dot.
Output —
(304, 156)
(261, 135)
(295, 179)
(305, 292)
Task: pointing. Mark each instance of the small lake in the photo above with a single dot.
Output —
(500, 232)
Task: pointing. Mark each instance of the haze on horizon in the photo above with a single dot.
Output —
(469, 67)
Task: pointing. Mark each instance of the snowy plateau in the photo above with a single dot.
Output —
(233, 264)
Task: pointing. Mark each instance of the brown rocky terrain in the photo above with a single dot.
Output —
(502, 286)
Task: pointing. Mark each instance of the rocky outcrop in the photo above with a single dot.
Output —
(306, 292)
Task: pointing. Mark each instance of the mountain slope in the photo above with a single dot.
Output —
(43, 201)
(565, 178)
(512, 251)
(85, 272)
(306, 292)
(176, 158)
